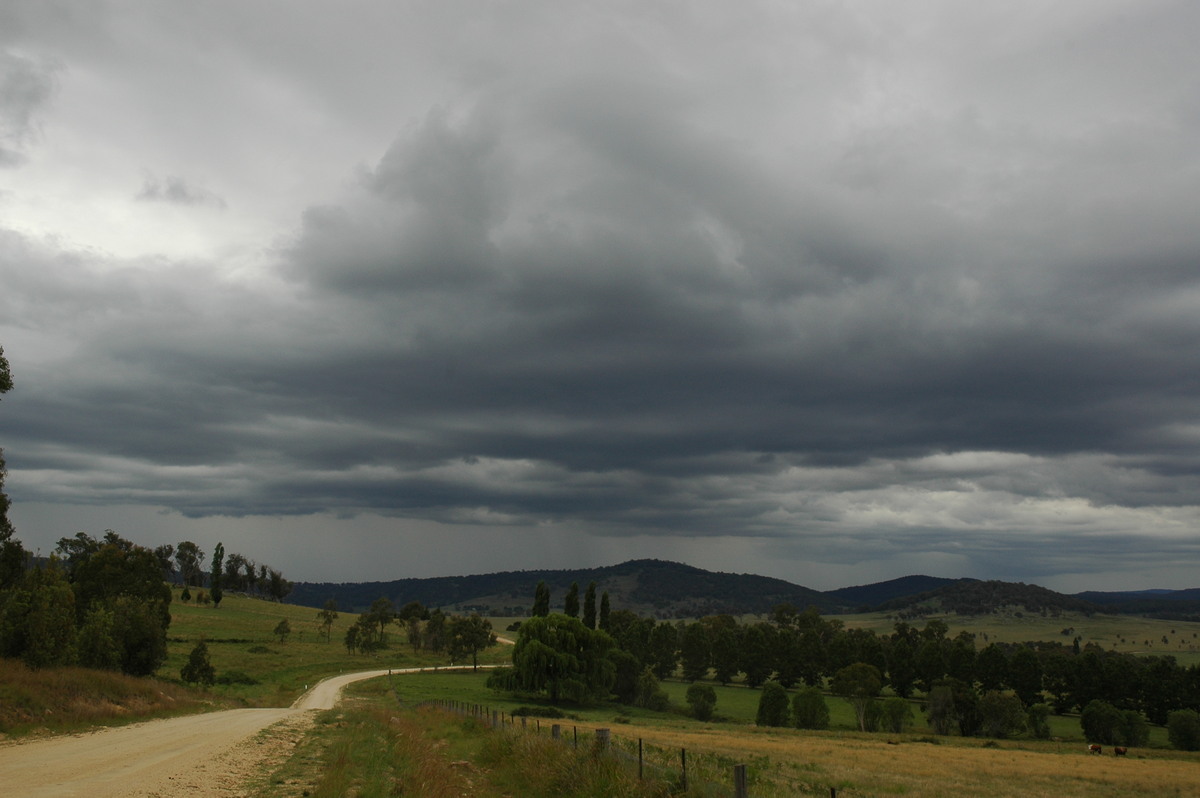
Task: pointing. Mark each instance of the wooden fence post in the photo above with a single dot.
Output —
(683, 768)
(640, 760)
(555, 732)
(601, 739)
(739, 782)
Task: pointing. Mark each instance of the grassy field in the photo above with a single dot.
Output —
(781, 762)
(240, 639)
(1124, 633)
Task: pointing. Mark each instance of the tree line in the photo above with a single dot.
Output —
(967, 689)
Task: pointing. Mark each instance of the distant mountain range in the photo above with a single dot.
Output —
(663, 589)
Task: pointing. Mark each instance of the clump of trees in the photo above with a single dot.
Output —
(100, 603)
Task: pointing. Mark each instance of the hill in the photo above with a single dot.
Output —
(975, 597)
(657, 588)
(873, 595)
(1182, 605)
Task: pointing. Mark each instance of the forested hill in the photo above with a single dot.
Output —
(870, 596)
(976, 597)
(651, 587)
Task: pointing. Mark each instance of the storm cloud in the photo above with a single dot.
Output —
(826, 294)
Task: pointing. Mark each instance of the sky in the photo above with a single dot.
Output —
(830, 292)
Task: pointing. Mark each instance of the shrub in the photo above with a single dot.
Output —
(1101, 722)
(1183, 729)
(539, 712)
(809, 710)
(702, 698)
(1037, 719)
(198, 668)
(1133, 730)
(772, 705)
(896, 714)
(236, 677)
(1000, 715)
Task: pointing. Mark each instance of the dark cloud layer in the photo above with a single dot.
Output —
(951, 313)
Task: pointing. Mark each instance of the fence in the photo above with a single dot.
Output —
(704, 774)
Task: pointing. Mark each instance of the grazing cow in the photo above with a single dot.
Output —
(1094, 749)
(1120, 750)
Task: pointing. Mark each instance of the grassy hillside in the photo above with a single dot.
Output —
(240, 640)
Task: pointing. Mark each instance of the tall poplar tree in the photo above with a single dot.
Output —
(216, 575)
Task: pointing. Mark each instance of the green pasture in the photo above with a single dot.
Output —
(240, 639)
(1125, 633)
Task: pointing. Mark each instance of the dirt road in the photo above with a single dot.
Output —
(199, 756)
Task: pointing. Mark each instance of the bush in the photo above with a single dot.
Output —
(539, 712)
(702, 698)
(198, 668)
(1001, 715)
(1101, 722)
(809, 710)
(895, 714)
(236, 677)
(1037, 719)
(1183, 729)
(1133, 730)
(772, 705)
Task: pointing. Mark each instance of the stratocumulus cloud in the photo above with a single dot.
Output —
(796, 291)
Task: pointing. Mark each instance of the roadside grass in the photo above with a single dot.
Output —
(369, 747)
(71, 699)
(781, 762)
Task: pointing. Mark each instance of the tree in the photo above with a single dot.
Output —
(605, 612)
(189, 558)
(166, 560)
(1001, 715)
(1037, 720)
(1101, 722)
(772, 705)
(125, 579)
(902, 667)
(434, 635)
(96, 643)
(198, 668)
(694, 651)
(661, 652)
(1133, 730)
(649, 694)
(859, 684)
(1183, 729)
(541, 601)
(38, 620)
(991, 668)
(327, 616)
(216, 572)
(895, 714)
(809, 710)
(571, 601)
(12, 553)
(1025, 675)
(283, 629)
(939, 710)
(702, 699)
(468, 636)
(589, 606)
(559, 656)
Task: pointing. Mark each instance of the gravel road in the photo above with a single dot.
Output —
(197, 756)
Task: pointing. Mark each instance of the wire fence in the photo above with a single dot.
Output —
(694, 773)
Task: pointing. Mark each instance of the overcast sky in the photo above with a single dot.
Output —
(832, 292)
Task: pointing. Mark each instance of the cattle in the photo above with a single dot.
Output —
(1120, 750)
(1094, 749)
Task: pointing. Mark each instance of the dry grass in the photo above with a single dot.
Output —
(790, 762)
(66, 699)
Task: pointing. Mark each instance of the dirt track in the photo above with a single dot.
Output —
(199, 756)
